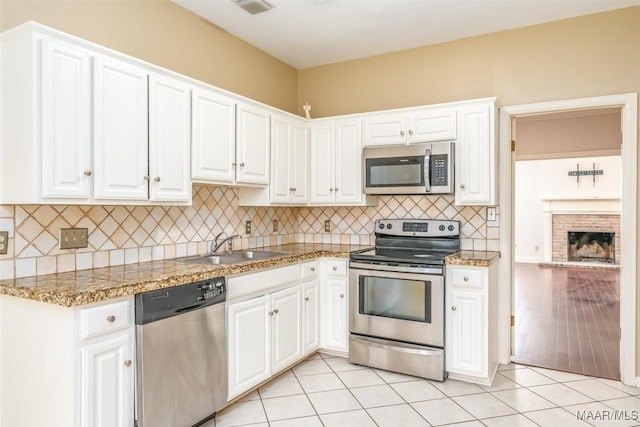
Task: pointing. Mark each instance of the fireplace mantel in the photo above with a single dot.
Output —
(569, 206)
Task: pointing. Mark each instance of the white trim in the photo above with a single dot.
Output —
(629, 151)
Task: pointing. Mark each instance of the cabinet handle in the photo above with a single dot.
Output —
(146, 177)
(401, 133)
(111, 318)
(465, 278)
(156, 179)
(410, 131)
(127, 363)
(462, 186)
(242, 164)
(341, 295)
(87, 172)
(306, 298)
(453, 307)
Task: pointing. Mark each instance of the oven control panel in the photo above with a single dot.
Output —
(418, 227)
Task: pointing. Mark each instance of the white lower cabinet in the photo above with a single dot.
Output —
(286, 312)
(310, 313)
(67, 366)
(471, 322)
(335, 328)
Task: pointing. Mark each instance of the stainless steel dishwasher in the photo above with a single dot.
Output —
(181, 354)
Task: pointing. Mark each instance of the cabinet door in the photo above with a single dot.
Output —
(281, 163)
(213, 151)
(348, 158)
(248, 340)
(475, 152)
(169, 139)
(466, 353)
(108, 382)
(299, 163)
(385, 130)
(310, 312)
(322, 159)
(431, 125)
(252, 149)
(120, 130)
(336, 328)
(286, 311)
(65, 120)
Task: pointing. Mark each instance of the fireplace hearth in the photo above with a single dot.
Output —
(591, 246)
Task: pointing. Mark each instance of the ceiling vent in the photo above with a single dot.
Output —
(254, 6)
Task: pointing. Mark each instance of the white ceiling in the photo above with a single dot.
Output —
(307, 33)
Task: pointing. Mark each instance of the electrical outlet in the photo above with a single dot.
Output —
(247, 227)
(74, 238)
(4, 242)
(491, 214)
(327, 225)
(275, 225)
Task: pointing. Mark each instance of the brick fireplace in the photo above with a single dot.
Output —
(587, 229)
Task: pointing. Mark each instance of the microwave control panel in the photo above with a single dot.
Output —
(439, 169)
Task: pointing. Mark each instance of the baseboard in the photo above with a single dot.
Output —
(527, 259)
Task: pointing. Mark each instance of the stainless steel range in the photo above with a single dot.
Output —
(396, 294)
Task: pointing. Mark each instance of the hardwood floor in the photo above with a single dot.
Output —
(568, 319)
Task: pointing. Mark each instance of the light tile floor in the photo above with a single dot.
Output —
(326, 390)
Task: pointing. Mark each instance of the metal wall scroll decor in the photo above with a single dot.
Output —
(593, 172)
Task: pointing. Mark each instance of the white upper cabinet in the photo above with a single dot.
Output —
(169, 139)
(288, 160)
(476, 165)
(252, 144)
(65, 120)
(213, 149)
(336, 162)
(121, 153)
(432, 124)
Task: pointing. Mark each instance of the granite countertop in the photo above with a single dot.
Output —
(88, 286)
(473, 258)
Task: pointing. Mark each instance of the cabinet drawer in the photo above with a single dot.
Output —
(336, 268)
(467, 278)
(309, 270)
(104, 318)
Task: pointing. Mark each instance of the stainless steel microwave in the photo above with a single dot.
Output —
(425, 168)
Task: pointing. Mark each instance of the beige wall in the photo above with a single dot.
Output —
(167, 35)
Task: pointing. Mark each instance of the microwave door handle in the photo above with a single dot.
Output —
(427, 171)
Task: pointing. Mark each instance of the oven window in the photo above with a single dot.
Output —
(395, 298)
(390, 172)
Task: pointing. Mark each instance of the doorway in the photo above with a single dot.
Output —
(566, 226)
(628, 218)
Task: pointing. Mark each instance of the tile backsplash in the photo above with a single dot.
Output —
(130, 234)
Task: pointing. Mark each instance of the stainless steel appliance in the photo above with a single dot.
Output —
(425, 168)
(181, 354)
(396, 294)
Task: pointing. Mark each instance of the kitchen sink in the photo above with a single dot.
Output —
(230, 257)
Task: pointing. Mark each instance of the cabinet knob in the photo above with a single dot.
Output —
(275, 311)
(294, 189)
(335, 268)
(336, 188)
(271, 313)
(87, 172)
(306, 298)
(331, 189)
(462, 186)
(465, 278)
(146, 177)
(401, 133)
(242, 164)
(127, 363)
(341, 295)
(156, 179)
(111, 318)
(291, 189)
(234, 164)
(410, 131)
(453, 307)
(312, 269)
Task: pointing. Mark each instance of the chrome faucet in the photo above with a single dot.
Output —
(228, 240)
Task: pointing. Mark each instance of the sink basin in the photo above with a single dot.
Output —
(255, 254)
(230, 258)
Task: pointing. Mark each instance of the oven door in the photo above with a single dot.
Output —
(396, 305)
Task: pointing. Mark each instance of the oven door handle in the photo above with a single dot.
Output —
(398, 347)
(395, 268)
(427, 170)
